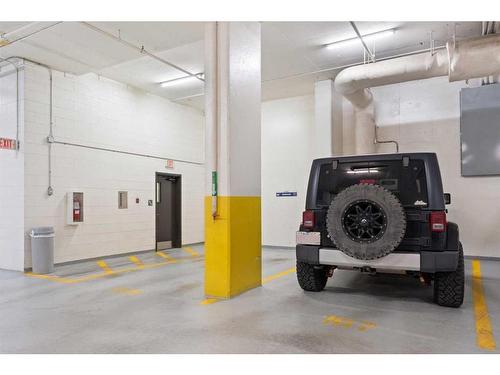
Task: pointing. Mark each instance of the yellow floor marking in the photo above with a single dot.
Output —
(267, 279)
(136, 261)
(127, 291)
(166, 256)
(190, 251)
(50, 277)
(67, 280)
(340, 321)
(365, 326)
(484, 331)
(104, 266)
(209, 301)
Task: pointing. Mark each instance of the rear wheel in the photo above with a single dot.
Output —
(449, 286)
(312, 278)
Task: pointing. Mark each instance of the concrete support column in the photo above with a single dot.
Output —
(233, 144)
(327, 120)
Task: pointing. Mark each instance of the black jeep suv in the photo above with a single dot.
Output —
(380, 214)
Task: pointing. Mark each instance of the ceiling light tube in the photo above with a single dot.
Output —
(181, 80)
(367, 38)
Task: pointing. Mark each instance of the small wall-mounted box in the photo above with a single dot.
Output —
(74, 204)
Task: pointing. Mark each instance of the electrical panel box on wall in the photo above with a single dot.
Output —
(75, 208)
(480, 130)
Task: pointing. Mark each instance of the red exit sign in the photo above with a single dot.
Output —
(169, 164)
(8, 144)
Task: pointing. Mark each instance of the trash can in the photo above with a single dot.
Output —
(42, 249)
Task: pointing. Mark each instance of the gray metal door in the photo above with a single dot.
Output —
(167, 211)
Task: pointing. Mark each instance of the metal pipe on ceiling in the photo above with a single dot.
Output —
(140, 49)
(6, 42)
(367, 50)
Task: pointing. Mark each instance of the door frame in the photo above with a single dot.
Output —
(177, 238)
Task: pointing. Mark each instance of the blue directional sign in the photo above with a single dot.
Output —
(286, 194)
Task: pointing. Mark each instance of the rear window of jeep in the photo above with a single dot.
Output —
(407, 183)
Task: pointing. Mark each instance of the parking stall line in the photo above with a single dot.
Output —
(136, 261)
(102, 275)
(484, 331)
(104, 266)
(267, 279)
(190, 251)
(166, 256)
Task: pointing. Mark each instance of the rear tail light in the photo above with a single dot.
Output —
(438, 221)
(369, 181)
(308, 219)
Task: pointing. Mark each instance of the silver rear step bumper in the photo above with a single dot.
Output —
(393, 261)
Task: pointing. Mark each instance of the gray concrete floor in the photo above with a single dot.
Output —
(159, 310)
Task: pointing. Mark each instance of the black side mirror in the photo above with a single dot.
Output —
(447, 198)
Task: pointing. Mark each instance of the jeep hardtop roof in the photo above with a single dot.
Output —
(429, 159)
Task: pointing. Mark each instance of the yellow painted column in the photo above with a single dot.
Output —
(233, 202)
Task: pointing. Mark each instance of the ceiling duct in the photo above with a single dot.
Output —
(462, 60)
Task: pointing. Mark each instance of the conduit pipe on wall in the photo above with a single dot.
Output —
(471, 58)
(17, 99)
(50, 138)
(212, 109)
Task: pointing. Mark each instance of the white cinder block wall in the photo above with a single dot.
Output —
(102, 113)
(425, 116)
(420, 115)
(286, 160)
(11, 175)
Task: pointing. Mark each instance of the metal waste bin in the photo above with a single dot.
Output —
(42, 249)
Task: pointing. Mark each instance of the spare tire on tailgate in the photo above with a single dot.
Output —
(366, 221)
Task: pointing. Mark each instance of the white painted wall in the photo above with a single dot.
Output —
(99, 112)
(287, 134)
(11, 176)
(420, 115)
(425, 116)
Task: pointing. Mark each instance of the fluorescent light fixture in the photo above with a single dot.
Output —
(181, 80)
(367, 38)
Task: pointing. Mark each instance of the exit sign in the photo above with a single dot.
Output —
(169, 164)
(8, 144)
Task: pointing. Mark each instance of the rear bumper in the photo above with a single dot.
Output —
(423, 261)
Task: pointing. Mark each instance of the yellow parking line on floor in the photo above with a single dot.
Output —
(340, 321)
(484, 331)
(166, 256)
(67, 280)
(104, 266)
(267, 279)
(209, 301)
(136, 261)
(190, 251)
(55, 278)
(127, 291)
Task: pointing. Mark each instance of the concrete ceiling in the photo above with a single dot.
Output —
(293, 53)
